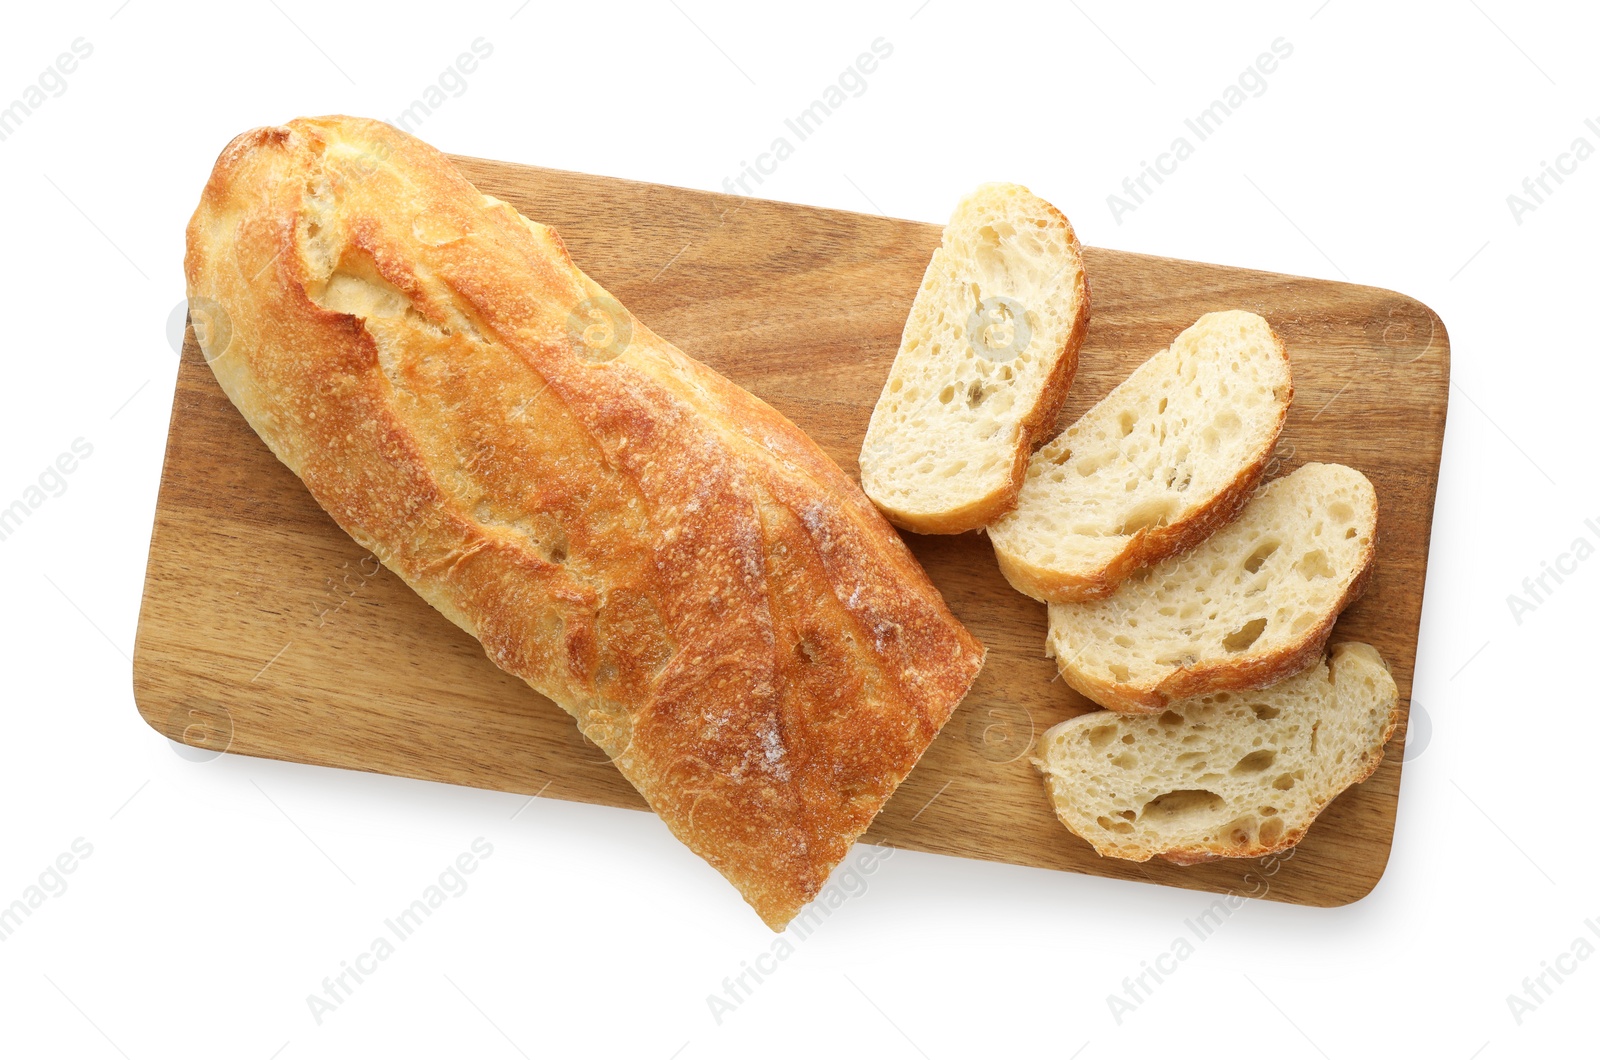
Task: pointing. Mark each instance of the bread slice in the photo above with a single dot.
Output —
(987, 356)
(1167, 457)
(1251, 605)
(1230, 774)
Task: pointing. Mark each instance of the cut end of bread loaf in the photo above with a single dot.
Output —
(1154, 468)
(986, 359)
(1249, 606)
(1230, 774)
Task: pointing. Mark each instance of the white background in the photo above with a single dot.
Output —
(219, 895)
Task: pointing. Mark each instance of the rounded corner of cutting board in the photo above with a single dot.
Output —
(146, 699)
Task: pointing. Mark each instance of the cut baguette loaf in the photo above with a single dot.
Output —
(1251, 605)
(659, 552)
(1230, 774)
(987, 356)
(1153, 469)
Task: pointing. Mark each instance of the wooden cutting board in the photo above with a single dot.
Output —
(265, 630)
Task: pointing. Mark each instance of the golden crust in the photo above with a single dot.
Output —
(1040, 423)
(659, 552)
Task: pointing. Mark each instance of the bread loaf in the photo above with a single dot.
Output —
(1229, 774)
(1153, 469)
(987, 356)
(1247, 607)
(662, 554)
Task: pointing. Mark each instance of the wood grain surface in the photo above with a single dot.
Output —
(265, 630)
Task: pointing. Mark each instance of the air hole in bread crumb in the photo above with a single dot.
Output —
(1263, 712)
(1099, 738)
(1284, 782)
(1186, 802)
(1255, 762)
(1245, 635)
(1126, 422)
(1262, 553)
(1315, 565)
(1170, 718)
(1147, 515)
(1090, 465)
(1272, 830)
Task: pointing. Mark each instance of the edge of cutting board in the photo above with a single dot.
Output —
(729, 303)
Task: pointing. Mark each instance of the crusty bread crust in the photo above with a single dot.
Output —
(1152, 544)
(1038, 424)
(1034, 425)
(1040, 421)
(661, 553)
